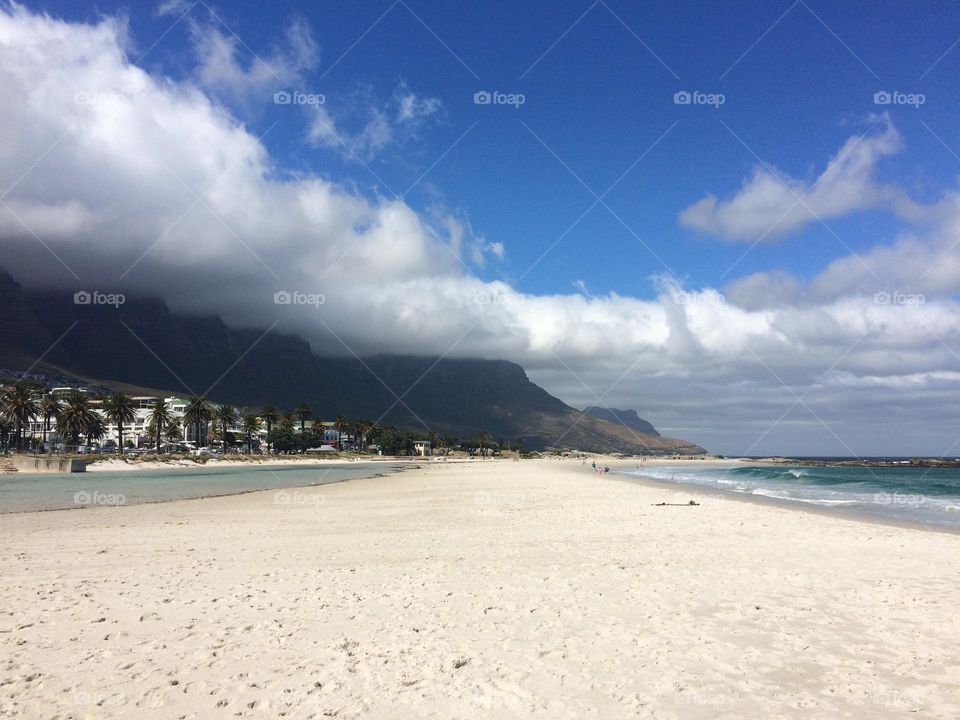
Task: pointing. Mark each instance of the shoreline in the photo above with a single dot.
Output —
(616, 464)
(476, 590)
(785, 504)
(113, 490)
(212, 496)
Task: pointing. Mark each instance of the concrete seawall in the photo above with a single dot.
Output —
(45, 464)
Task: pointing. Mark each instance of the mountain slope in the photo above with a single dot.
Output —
(627, 418)
(142, 343)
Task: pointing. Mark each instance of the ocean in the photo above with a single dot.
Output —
(925, 495)
(21, 492)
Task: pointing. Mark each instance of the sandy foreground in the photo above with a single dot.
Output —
(490, 589)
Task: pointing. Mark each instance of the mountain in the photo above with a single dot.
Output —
(142, 343)
(628, 418)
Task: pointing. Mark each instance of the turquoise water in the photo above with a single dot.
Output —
(21, 492)
(926, 495)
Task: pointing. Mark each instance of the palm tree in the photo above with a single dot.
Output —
(341, 425)
(119, 408)
(251, 425)
(198, 413)
(448, 441)
(286, 421)
(96, 428)
(365, 428)
(484, 439)
(50, 406)
(18, 404)
(5, 430)
(302, 412)
(226, 415)
(213, 434)
(173, 433)
(159, 418)
(269, 415)
(77, 418)
(356, 430)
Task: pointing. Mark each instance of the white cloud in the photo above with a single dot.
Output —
(174, 7)
(381, 123)
(230, 70)
(116, 199)
(497, 249)
(771, 204)
(765, 289)
(412, 108)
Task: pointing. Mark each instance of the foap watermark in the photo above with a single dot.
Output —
(97, 97)
(699, 298)
(684, 697)
(885, 97)
(295, 297)
(901, 499)
(896, 297)
(96, 297)
(499, 500)
(89, 499)
(685, 97)
(484, 97)
(898, 699)
(295, 498)
(491, 298)
(283, 97)
(81, 697)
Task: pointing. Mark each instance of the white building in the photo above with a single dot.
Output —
(422, 447)
(137, 431)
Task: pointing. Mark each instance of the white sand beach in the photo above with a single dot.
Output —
(490, 589)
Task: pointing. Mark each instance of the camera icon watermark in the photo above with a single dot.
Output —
(484, 97)
(900, 499)
(897, 298)
(685, 697)
(89, 499)
(685, 97)
(298, 499)
(96, 97)
(499, 500)
(95, 297)
(491, 298)
(699, 298)
(886, 97)
(283, 97)
(285, 297)
(898, 699)
(81, 697)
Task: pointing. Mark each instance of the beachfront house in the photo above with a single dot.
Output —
(422, 447)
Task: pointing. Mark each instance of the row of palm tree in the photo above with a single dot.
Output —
(23, 403)
(73, 413)
(75, 416)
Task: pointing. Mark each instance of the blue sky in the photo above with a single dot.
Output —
(798, 79)
(776, 272)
